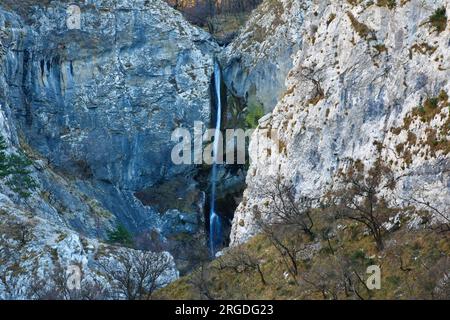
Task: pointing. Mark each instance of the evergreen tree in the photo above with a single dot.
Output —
(14, 170)
(3, 158)
(121, 236)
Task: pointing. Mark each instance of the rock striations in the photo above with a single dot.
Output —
(366, 78)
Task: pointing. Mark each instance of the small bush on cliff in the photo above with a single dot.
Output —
(391, 4)
(438, 19)
(14, 171)
(254, 113)
(120, 236)
(3, 159)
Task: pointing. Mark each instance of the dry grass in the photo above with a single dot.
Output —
(361, 29)
(408, 256)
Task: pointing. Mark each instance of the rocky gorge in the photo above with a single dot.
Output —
(93, 109)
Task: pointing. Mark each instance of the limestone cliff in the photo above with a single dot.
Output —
(93, 107)
(257, 62)
(366, 77)
(100, 103)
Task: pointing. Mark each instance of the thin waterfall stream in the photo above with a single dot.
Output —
(215, 226)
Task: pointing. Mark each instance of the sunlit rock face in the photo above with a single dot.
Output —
(100, 102)
(362, 76)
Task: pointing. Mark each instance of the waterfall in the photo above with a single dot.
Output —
(214, 219)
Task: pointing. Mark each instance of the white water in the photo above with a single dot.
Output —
(214, 219)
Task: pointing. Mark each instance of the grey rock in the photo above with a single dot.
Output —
(365, 94)
(176, 222)
(94, 110)
(256, 63)
(100, 103)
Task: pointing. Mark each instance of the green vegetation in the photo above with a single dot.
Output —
(121, 236)
(431, 107)
(14, 170)
(354, 2)
(438, 19)
(236, 111)
(331, 18)
(255, 111)
(381, 48)
(391, 4)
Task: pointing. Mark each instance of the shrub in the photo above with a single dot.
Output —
(361, 199)
(431, 103)
(3, 159)
(254, 113)
(438, 19)
(391, 4)
(14, 170)
(363, 30)
(120, 236)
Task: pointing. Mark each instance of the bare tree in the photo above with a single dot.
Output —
(285, 219)
(283, 208)
(324, 277)
(289, 244)
(360, 197)
(56, 286)
(240, 260)
(444, 218)
(8, 277)
(202, 283)
(23, 232)
(135, 275)
(52, 287)
(204, 12)
(310, 74)
(14, 235)
(435, 281)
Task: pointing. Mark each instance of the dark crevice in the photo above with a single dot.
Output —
(229, 189)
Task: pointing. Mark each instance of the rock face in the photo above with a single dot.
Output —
(39, 252)
(100, 103)
(94, 105)
(364, 75)
(38, 259)
(257, 62)
(94, 109)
